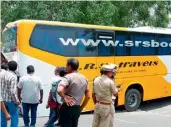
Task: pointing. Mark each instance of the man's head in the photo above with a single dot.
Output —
(57, 70)
(116, 68)
(108, 70)
(72, 65)
(12, 66)
(4, 66)
(30, 69)
(62, 72)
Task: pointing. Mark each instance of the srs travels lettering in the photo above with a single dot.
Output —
(123, 64)
(138, 64)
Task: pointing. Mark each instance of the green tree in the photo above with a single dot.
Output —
(112, 13)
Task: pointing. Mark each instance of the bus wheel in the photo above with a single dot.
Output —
(132, 100)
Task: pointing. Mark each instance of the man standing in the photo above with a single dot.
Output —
(4, 67)
(54, 100)
(9, 94)
(30, 86)
(75, 86)
(103, 89)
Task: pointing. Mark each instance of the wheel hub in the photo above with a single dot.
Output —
(132, 100)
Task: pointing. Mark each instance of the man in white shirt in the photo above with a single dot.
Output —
(31, 87)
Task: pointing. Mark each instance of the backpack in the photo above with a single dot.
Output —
(54, 90)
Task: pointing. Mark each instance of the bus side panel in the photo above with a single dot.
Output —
(167, 76)
(154, 85)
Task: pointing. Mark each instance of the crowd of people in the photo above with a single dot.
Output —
(68, 87)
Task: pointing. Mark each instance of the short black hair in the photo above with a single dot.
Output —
(57, 69)
(4, 66)
(30, 69)
(12, 66)
(73, 63)
(101, 72)
(62, 71)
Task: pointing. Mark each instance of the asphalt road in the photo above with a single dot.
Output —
(151, 114)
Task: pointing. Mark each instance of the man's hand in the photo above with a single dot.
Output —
(7, 116)
(17, 103)
(47, 106)
(81, 108)
(40, 101)
(119, 89)
(19, 98)
(69, 100)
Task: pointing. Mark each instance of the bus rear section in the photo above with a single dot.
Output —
(9, 43)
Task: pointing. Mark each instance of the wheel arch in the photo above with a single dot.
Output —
(138, 87)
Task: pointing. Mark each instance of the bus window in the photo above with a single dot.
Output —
(120, 49)
(64, 41)
(102, 49)
(9, 40)
(164, 39)
(46, 37)
(89, 35)
(141, 49)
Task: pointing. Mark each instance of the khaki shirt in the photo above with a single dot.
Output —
(104, 88)
(75, 85)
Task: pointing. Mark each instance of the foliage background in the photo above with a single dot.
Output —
(111, 13)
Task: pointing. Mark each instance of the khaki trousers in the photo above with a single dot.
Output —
(103, 116)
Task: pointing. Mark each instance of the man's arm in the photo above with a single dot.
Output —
(19, 94)
(86, 99)
(93, 93)
(65, 82)
(20, 87)
(8, 117)
(68, 100)
(41, 96)
(14, 90)
(49, 99)
(114, 89)
(60, 90)
(94, 97)
(41, 91)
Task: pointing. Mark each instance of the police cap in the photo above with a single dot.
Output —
(107, 68)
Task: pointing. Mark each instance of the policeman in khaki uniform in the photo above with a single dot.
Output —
(103, 89)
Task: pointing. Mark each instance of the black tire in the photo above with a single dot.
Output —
(132, 100)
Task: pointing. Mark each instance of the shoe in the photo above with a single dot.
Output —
(46, 125)
(57, 124)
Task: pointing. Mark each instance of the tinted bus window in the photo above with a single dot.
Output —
(9, 39)
(121, 49)
(164, 41)
(142, 44)
(88, 36)
(108, 39)
(65, 41)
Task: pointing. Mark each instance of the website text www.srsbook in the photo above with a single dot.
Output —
(127, 43)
